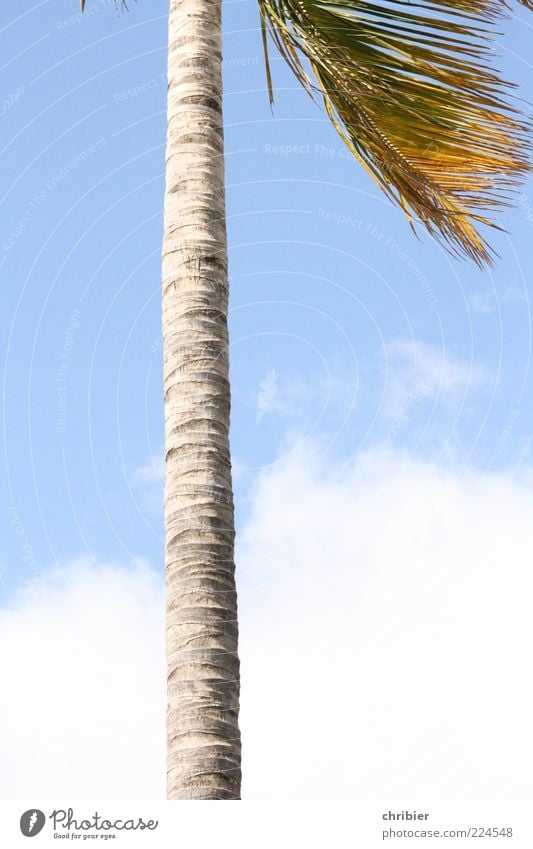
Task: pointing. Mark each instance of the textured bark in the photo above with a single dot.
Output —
(201, 628)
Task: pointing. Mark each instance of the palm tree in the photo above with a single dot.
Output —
(410, 89)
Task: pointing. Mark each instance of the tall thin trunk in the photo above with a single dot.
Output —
(201, 628)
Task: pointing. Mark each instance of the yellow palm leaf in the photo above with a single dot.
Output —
(410, 89)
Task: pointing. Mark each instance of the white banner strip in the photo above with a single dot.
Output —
(276, 825)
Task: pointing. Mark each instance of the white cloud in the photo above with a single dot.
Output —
(482, 302)
(385, 640)
(386, 634)
(151, 473)
(293, 396)
(82, 712)
(266, 396)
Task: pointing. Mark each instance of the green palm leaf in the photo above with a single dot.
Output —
(410, 89)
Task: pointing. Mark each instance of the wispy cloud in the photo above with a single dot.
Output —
(417, 371)
(485, 301)
(148, 482)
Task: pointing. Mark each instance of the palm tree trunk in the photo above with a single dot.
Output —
(201, 627)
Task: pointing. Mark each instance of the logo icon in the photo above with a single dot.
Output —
(268, 394)
(32, 822)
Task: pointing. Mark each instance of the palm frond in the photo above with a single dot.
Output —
(410, 88)
(123, 5)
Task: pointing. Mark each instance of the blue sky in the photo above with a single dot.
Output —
(325, 275)
(350, 336)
